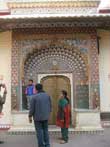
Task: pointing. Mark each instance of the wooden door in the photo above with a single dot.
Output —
(53, 86)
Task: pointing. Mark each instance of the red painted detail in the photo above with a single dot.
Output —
(4, 127)
(4, 13)
(104, 11)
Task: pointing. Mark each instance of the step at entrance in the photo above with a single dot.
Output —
(53, 131)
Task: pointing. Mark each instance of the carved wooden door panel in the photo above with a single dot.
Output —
(53, 86)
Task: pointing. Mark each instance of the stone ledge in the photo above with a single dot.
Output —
(87, 110)
(54, 131)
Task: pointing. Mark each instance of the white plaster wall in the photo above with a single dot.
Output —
(92, 120)
(104, 4)
(5, 70)
(3, 5)
(104, 67)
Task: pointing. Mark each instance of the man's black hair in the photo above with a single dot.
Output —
(31, 80)
(39, 87)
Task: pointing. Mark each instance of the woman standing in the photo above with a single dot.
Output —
(63, 116)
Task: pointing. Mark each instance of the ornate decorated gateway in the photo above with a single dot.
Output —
(55, 43)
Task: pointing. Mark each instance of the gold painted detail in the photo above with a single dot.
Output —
(53, 4)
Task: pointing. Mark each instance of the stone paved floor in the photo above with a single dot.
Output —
(83, 140)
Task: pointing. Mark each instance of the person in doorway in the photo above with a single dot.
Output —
(63, 116)
(40, 109)
(30, 91)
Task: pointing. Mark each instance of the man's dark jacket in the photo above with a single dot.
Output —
(40, 106)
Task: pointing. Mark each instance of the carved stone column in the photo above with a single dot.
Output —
(94, 73)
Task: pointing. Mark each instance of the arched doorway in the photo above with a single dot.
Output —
(57, 59)
(53, 86)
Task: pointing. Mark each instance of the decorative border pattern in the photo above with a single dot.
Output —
(53, 4)
(56, 10)
(30, 44)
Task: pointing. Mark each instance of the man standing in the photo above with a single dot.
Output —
(40, 108)
(30, 91)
